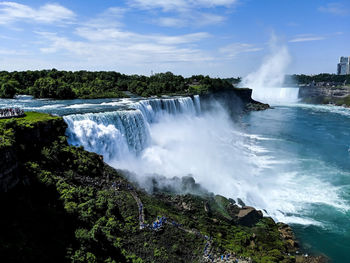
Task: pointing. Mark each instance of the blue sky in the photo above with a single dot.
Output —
(219, 37)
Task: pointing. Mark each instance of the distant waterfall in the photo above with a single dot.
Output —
(276, 95)
(267, 82)
(124, 132)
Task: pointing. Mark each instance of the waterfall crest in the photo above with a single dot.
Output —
(123, 133)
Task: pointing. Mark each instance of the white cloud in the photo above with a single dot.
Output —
(110, 46)
(234, 49)
(166, 5)
(115, 34)
(194, 18)
(306, 38)
(184, 12)
(179, 5)
(110, 18)
(335, 9)
(49, 13)
(103, 41)
(13, 52)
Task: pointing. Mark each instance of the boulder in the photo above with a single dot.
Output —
(248, 216)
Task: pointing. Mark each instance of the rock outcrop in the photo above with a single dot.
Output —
(236, 101)
(29, 136)
(288, 235)
(249, 216)
(324, 94)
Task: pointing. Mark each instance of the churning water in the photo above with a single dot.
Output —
(292, 161)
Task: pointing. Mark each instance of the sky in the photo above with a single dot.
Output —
(220, 38)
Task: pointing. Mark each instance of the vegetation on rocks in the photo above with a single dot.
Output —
(69, 206)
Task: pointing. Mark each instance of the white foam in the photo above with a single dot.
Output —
(45, 107)
(325, 108)
(80, 106)
(121, 102)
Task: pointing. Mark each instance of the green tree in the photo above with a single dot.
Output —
(8, 89)
(65, 92)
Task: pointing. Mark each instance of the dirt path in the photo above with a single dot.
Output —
(140, 208)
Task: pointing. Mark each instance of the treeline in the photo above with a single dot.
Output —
(324, 77)
(233, 80)
(102, 84)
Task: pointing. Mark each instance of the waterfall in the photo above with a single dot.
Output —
(267, 82)
(197, 104)
(276, 95)
(123, 133)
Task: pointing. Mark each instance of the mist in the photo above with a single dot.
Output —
(268, 80)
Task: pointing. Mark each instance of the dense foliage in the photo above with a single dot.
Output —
(67, 210)
(102, 84)
(324, 77)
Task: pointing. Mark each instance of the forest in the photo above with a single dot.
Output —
(102, 84)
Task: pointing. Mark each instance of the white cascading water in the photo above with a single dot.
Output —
(268, 81)
(120, 134)
(172, 137)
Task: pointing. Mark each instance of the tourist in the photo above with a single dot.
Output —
(11, 112)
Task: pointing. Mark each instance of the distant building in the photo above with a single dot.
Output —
(343, 66)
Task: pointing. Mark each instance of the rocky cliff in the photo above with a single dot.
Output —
(325, 94)
(236, 101)
(23, 137)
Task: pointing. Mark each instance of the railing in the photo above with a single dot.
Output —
(11, 112)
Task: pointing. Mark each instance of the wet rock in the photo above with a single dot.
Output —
(232, 201)
(256, 106)
(249, 216)
(288, 235)
(311, 259)
(240, 202)
(233, 211)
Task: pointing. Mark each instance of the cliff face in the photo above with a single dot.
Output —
(324, 94)
(235, 101)
(21, 138)
(8, 169)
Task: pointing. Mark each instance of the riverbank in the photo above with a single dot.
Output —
(336, 95)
